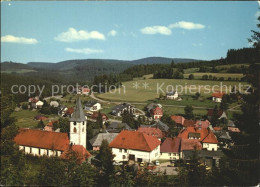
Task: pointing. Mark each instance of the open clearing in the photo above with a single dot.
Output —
(150, 89)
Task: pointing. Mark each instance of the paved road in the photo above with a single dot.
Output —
(163, 167)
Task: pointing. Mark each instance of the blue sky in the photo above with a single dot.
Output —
(56, 31)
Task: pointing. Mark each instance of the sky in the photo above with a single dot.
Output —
(56, 31)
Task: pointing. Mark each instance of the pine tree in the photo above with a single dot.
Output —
(188, 112)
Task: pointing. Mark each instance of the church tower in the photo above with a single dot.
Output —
(78, 126)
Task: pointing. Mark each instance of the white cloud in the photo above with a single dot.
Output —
(156, 30)
(112, 33)
(186, 25)
(14, 39)
(257, 14)
(87, 51)
(73, 35)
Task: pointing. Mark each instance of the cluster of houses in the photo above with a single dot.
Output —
(35, 102)
(145, 144)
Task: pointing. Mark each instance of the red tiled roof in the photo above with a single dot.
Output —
(171, 145)
(211, 111)
(189, 123)
(218, 94)
(203, 124)
(178, 119)
(233, 129)
(81, 153)
(210, 138)
(157, 111)
(151, 131)
(70, 110)
(85, 90)
(217, 128)
(205, 134)
(190, 144)
(42, 139)
(135, 140)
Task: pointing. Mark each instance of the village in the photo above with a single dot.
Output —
(156, 144)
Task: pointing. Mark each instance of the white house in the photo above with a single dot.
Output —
(172, 95)
(39, 104)
(217, 97)
(54, 104)
(136, 146)
(92, 106)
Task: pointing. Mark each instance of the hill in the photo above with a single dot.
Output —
(161, 60)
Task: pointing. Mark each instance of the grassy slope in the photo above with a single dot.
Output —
(143, 95)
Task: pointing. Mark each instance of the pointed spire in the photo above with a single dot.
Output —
(78, 114)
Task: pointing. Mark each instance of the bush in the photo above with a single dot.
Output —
(205, 77)
(191, 76)
(221, 79)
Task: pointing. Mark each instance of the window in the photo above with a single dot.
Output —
(56, 153)
(83, 122)
(83, 129)
(125, 150)
(120, 150)
(74, 123)
(161, 153)
(75, 130)
(39, 151)
(30, 150)
(47, 152)
(169, 154)
(123, 156)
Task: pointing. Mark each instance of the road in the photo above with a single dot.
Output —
(163, 167)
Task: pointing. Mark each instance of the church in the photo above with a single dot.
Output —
(38, 142)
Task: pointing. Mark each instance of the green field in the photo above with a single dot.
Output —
(129, 93)
(198, 75)
(231, 65)
(19, 71)
(25, 118)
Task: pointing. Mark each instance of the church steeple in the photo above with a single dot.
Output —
(78, 114)
(78, 126)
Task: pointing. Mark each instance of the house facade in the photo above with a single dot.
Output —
(120, 109)
(92, 106)
(156, 113)
(172, 95)
(217, 97)
(170, 149)
(136, 146)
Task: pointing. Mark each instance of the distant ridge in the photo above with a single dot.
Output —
(68, 64)
(82, 69)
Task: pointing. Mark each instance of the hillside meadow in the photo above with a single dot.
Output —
(150, 89)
